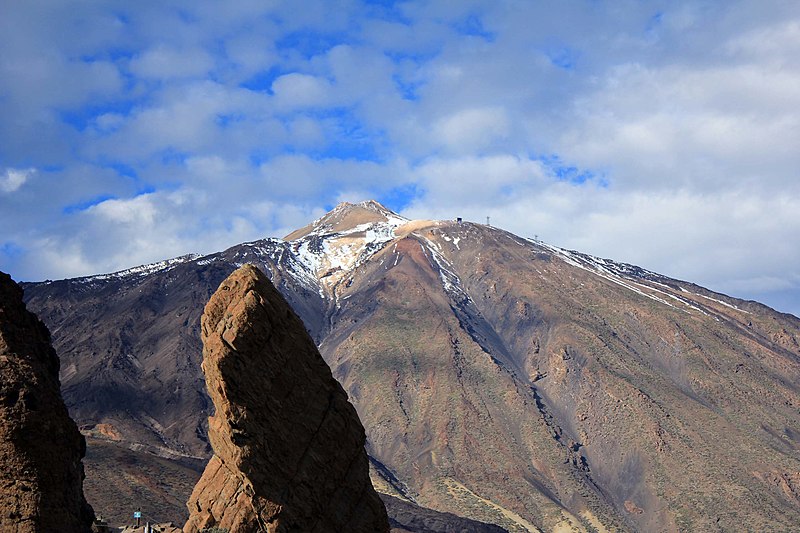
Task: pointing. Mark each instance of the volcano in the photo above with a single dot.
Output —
(498, 378)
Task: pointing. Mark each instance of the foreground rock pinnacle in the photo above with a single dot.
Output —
(288, 446)
(41, 475)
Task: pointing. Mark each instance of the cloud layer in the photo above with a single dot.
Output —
(659, 133)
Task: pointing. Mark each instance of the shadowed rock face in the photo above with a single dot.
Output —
(41, 474)
(288, 447)
(408, 517)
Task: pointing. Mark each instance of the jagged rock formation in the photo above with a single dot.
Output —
(288, 446)
(498, 378)
(41, 474)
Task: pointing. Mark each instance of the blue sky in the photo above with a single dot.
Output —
(663, 134)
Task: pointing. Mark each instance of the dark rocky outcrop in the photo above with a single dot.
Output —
(409, 517)
(288, 446)
(41, 475)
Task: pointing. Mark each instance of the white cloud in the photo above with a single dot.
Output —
(163, 63)
(703, 127)
(247, 119)
(488, 181)
(138, 211)
(296, 177)
(474, 129)
(300, 90)
(15, 178)
(306, 132)
(108, 122)
(55, 251)
(778, 42)
(156, 226)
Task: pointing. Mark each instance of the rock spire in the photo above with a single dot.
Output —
(288, 446)
(41, 475)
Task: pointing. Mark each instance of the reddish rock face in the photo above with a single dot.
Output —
(41, 475)
(288, 446)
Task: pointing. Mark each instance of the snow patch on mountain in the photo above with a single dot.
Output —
(618, 273)
(636, 279)
(330, 256)
(450, 280)
(142, 270)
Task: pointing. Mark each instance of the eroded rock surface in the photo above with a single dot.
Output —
(41, 474)
(288, 446)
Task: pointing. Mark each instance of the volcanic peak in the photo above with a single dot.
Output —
(333, 245)
(347, 217)
(494, 373)
(325, 254)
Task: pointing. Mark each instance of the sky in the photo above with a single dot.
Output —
(660, 133)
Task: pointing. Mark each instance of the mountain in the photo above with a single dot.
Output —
(498, 378)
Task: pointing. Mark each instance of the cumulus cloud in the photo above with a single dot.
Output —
(164, 63)
(300, 90)
(15, 178)
(659, 134)
(478, 181)
(139, 211)
(706, 128)
(472, 130)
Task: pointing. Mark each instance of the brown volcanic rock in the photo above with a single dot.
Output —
(41, 474)
(288, 447)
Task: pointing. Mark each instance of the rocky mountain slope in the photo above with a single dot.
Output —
(498, 378)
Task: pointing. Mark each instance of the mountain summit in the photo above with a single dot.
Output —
(343, 239)
(347, 217)
(498, 378)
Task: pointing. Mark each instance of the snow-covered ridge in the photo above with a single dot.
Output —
(142, 270)
(636, 279)
(606, 266)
